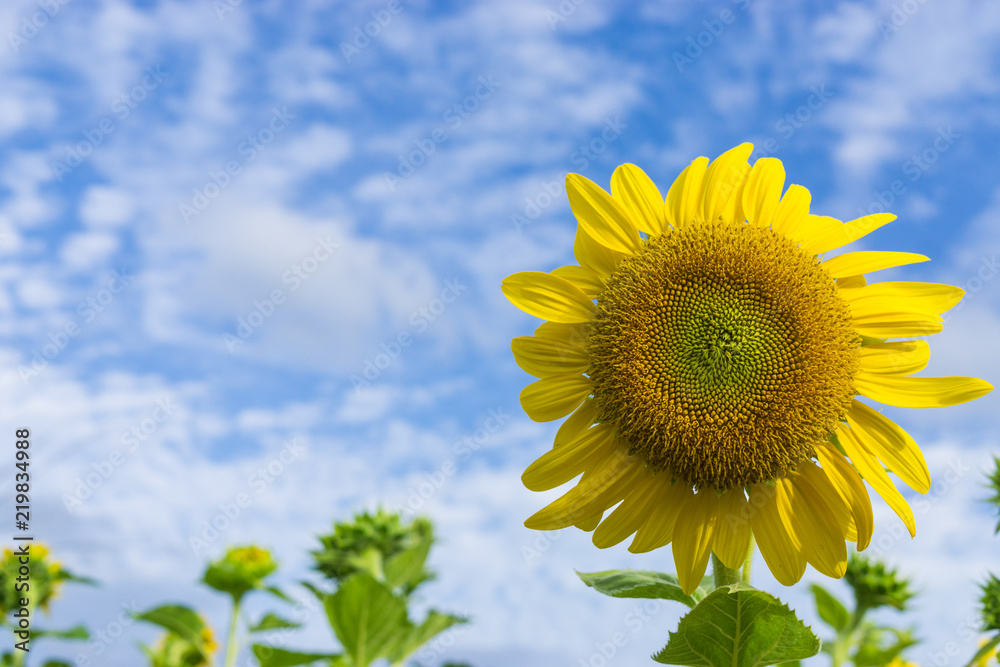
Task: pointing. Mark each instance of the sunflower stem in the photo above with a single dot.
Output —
(231, 645)
(724, 576)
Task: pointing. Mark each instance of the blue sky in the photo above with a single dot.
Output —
(228, 226)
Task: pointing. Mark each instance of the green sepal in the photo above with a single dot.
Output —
(739, 625)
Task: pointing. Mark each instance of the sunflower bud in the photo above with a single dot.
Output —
(876, 585)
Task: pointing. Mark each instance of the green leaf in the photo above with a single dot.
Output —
(273, 622)
(367, 617)
(830, 608)
(738, 625)
(637, 584)
(180, 620)
(320, 594)
(435, 623)
(406, 569)
(706, 586)
(77, 632)
(269, 656)
(873, 649)
(56, 663)
(278, 593)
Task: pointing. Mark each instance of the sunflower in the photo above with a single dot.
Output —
(710, 362)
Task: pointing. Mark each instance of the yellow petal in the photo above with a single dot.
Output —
(852, 230)
(598, 213)
(762, 191)
(813, 526)
(810, 228)
(593, 255)
(732, 532)
(722, 180)
(554, 397)
(897, 324)
(873, 473)
(903, 357)
(569, 334)
(851, 487)
(891, 444)
(683, 201)
(851, 282)
(632, 513)
(658, 528)
(586, 279)
(733, 212)
(548, 297)
(694, 535)
(640, 197)
(590, 523)
(582, 419)
(604, 486)
(543, 357)
(811, 474)
(902, 296)
(791, 210)
(783, 558)
(866, 261)
(561, 464)
(920, 392)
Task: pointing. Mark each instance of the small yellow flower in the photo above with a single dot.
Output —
(990, 655)
(710, 362)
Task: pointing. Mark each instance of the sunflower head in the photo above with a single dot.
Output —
(45, 574)
(710, 361)
(242, 569)
(354, 545)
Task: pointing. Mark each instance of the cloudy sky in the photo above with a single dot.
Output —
(250, 246)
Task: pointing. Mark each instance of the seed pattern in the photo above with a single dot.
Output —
(723, 354)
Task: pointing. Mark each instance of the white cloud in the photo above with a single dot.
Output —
(104, 206)
(88, 251)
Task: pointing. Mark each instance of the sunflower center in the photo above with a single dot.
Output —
(722, 353)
